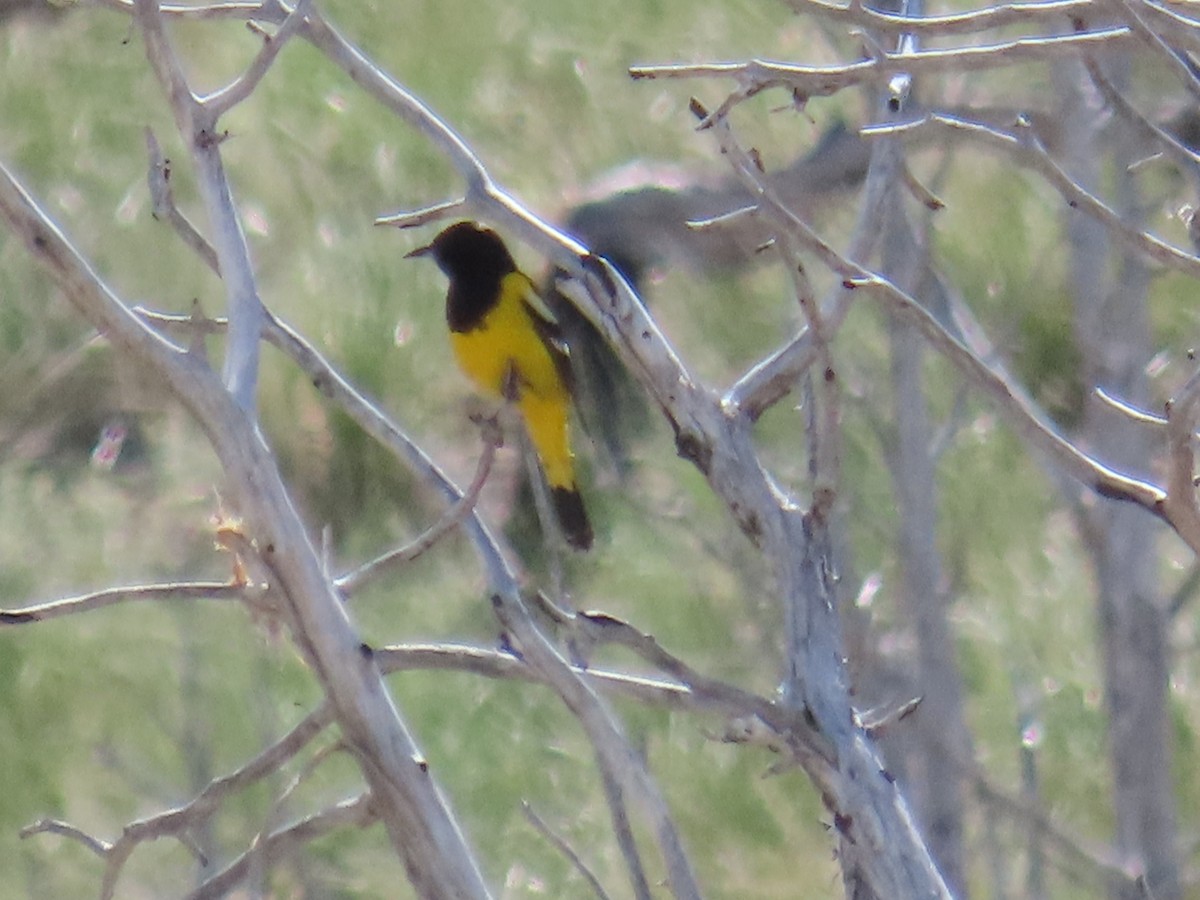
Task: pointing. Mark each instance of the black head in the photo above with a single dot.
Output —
(468, 251)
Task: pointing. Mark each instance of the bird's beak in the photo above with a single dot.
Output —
(420, 251)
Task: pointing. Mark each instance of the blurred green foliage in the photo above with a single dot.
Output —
(123, 712)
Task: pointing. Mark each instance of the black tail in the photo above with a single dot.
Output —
(568, 505)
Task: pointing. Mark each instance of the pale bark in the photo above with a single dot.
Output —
(1113, 331)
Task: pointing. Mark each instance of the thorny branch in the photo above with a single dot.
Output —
(807, 82)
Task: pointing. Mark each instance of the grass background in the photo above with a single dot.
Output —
(118, 714)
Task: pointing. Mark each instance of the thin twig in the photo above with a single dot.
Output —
(1181, 28)
(197, 124)
(259, 865)
(602, 628)
(1026, 149)
(53, 609)
(356, 580)
(1182, 413)
(564, 848)
(227, 98)
(490, 663)
(755, 76)
(1175, 60)
(190, 322)
(999, 15)
(1100, 862)
(1141, 416)
(180, 821)
(249, 11)
(1184, 593)
(618, 811)
(65, 829)
(356, 813)
(417, 217)
(773, 378)
(1180, 152)
(162, 199)
(326, 379)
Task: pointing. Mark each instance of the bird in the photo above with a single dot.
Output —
(508, 343)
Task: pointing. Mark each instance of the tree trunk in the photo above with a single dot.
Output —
(1113, 331)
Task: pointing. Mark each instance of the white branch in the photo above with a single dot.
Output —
(408, 801)
(197, 124)
(1039, 12)
(53, 609)
(755, 76)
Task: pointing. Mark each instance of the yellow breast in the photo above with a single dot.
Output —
(505, 342)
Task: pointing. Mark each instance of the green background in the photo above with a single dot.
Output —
(120, 713)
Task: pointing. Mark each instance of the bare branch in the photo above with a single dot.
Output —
(495, 664)
(564, 848)
(1181, 153)
(407, 799)
(267, 763)
(253, 10)
(1027, 150)
(1185, 592)
(181, 821)
(192, 322)
(326, 379)
(1151, 38)
(354, 581)
(756, 76)
(1181, 28)
(1182, 415)
(279, 845)
(53, 609)
(823, 425)
(1128, 409)
(57, 826)
(1029, 421)
(197, 126)
(418, 217)
(602, 628)
(773, 378)
(226, 99)
(612, 748)
(163, 199)
(1100, 862)
(716, 436)
(876, 721)
(619, 813)
(1047, 13)
(615, 757)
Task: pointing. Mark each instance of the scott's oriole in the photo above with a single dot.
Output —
(508, 343)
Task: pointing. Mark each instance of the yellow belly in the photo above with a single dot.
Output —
(506, 342)
(505, 352)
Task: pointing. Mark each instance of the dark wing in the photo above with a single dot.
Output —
(547, 329)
